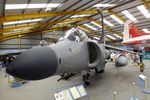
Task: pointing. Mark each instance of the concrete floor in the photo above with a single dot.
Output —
(101, 88)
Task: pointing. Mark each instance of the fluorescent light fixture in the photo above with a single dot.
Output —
(129, 15)
(146, 30)
(116, 19)
(11, 23)
(75, 16)
(28, 6)
(16, 6)
(104, 5)
(144, 11)
(53, 5)
(48, 9)
(91, 27)
(36, 6)
(36, 20)
(23, 21)
(111, 37)
(96, 24)
(108, 23)
(118, 36)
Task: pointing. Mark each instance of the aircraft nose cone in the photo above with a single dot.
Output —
(34, 64)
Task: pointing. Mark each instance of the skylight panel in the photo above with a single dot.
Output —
(91, 27)
(144, 11)
(111, 37)
(31, 6)
(116, 19)
(129, 15)
(104, 5)
(96, 24)
(146, 30)
(108, 23)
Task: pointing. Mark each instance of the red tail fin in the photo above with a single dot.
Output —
(133, 31)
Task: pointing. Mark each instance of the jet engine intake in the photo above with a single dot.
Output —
(96, 55)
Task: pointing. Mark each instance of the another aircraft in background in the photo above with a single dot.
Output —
(134, 38)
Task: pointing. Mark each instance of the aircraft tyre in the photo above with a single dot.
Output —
(86, 79)
(101, 71)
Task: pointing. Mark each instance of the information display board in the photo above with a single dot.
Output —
(72, 93)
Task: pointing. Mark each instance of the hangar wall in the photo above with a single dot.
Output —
(28, 41)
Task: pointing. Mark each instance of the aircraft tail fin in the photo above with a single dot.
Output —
(130, 31)
(126, 35)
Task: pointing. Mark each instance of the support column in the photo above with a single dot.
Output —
(19, 42)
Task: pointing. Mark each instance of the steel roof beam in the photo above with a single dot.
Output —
(41, 24)
(146, 4)
(73, 20)
(56, 22)
(115, 14)
(10, 18)
(105, 27)
(30, 32)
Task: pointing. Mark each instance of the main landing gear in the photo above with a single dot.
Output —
(101, 71)
(87, 77)
(65, 76)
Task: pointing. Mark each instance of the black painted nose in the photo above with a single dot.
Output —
(34, 64)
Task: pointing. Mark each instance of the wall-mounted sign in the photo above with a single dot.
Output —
(146, 53)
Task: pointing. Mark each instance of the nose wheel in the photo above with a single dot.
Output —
(86, 79)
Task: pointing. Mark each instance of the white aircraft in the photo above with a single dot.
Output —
(133, 37)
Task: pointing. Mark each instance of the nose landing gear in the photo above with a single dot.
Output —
(86, 78)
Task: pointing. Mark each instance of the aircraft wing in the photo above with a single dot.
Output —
(119, 49)
(141, 40)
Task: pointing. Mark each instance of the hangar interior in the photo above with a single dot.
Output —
(24, 24)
